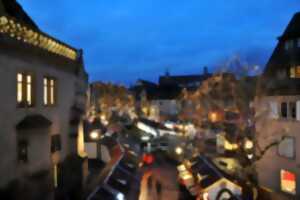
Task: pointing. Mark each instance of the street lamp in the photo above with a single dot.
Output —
(120, 196)
(248, 144)
(178, 150)
(213, 116)
(94, 135)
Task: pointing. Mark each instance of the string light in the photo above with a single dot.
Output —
(20, 32)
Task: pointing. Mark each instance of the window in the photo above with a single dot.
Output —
(23, 151)
(284, 110)
(55, 143)
(49, 91)
(288, 182)
(273, 110)
(292, 110)
(24, 89)
(288, 44)
(295, 72)
(286, 148)
(298, 42)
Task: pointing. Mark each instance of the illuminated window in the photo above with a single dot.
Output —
(24, 89)
(295, 72)
(288, 182)
(298, 42)
(49, 91)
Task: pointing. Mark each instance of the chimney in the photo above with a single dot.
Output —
(167, 73)
(205, 70)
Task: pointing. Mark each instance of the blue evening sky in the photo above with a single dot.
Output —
(124, 40)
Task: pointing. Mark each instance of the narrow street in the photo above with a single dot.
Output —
(161, 175)
(159, 181)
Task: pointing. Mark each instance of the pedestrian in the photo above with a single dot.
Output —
(150, 180)
(158, 189)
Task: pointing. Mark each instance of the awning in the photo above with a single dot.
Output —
(35, 121)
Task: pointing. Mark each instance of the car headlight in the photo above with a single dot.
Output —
(120, 196)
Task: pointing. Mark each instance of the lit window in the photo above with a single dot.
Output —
(288, 182)
(24, 89)
(298, 42)
(286, 148)
(292, 72)
(49, 91)
(295, 72)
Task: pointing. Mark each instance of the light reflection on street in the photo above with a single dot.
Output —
(144, 186)
(159, 182)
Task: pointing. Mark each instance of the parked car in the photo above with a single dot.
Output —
(164, 146)
(108, 193)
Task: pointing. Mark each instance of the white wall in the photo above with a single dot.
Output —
(10, 115)
(167, 107)
(268, 130)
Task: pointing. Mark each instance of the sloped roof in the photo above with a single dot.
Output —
(275, 79)
(156, 92)
(13, 9)
(184, 79)
(165, 92)
(210, 172)
(293, 28)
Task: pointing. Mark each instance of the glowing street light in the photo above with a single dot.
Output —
(94, 135)
(213, 116)
(248, 144)
(178, 150)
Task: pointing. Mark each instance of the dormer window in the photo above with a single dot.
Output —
(295, 72)
(288, 44)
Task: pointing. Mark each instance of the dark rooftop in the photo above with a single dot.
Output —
(276, 77)
(13, 9)
(293, 28)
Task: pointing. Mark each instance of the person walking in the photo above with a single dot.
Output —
(158, 190)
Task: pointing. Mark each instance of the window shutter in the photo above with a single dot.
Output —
(298, 110)
(274, 110)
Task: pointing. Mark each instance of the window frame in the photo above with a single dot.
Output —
(285, 110)
(24, 101)
(280, 181)
(288, 44)
(294, 72)
(294, 149)
(47, 91)
(292, 114)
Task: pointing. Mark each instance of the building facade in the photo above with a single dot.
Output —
(277, 110)
(43, 90)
